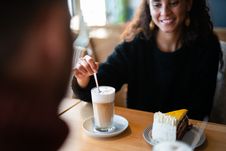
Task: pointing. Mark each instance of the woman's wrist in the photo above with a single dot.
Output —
(83, 82)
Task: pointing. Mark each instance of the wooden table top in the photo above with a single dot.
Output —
(132, 138)
(66, 104)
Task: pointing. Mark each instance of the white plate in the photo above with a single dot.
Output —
(119, 122)
(188, 137)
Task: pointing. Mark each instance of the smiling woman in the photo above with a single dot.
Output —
(169, 58)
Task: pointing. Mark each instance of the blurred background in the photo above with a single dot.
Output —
(102, 12)
(217, 12)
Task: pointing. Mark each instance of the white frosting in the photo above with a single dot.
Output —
(164, 127)
(172, 146)
(106, 94)
(166, 119)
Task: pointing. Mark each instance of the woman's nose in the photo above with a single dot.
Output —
(165, 10)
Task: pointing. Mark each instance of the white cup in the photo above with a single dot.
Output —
(172, 146)
(103, 108)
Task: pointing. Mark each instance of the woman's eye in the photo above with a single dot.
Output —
(156, 5)
(174, 3)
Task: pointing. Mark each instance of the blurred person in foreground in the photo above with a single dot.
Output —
(169, 58)
(35, 51)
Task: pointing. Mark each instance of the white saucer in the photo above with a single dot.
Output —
(119, 122)
(188, 137)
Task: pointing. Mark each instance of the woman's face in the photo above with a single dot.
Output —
(169, 15)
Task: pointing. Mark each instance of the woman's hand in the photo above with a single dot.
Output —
(85, 67)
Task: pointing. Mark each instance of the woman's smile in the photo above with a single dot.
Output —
(167, 21)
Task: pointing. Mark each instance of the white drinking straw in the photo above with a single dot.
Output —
(95, 77)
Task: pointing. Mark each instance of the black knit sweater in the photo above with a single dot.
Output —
(159, 81)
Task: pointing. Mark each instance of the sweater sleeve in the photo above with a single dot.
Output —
(205, 84)
(113, 73)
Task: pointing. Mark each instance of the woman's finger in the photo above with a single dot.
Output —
(87, 66)
(80, 67)
(93, 65)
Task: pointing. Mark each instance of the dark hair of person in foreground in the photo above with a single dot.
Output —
(35, 66)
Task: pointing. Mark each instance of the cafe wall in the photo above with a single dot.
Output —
(218, 12)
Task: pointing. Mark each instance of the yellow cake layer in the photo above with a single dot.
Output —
(178, 114)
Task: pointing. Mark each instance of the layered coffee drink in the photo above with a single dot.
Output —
(103, 108)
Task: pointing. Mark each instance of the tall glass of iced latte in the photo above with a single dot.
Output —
(103, 108)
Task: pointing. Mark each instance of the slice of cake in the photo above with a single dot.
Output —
(169, 126)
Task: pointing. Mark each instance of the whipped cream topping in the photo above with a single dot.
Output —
(166, 119)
